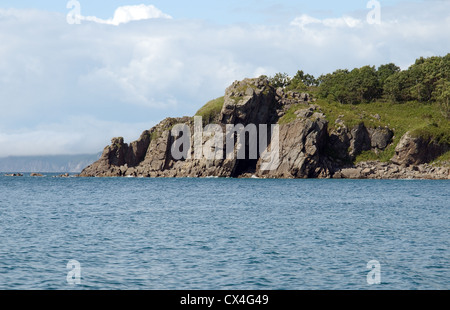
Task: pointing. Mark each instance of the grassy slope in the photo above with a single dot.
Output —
(211, 110)
(421, 119)
(425, 120)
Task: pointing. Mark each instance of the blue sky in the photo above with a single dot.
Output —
(222, 11)
(69, 88)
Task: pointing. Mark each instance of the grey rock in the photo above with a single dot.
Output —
(307, 150)
(251, 101)
(302, 144)
(360, 140)
(380, 137)
(413, 150)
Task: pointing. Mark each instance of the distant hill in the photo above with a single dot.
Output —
(51, 163)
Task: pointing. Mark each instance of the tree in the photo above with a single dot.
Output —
(419, 82)
(356, 86)
(442, 95)
(334, 86)
(395, 87)
(364, 82)
(385, 71)
(425, 81)
(280, 80)
(297, 82)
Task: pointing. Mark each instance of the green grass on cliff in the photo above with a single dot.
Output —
(423, 120)
(289, 116)
(443, 160)
(210, 111)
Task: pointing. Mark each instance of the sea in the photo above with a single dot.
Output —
(223, 234)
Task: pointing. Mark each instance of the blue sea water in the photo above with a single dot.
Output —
(249, 234)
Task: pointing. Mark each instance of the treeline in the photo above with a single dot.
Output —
(427, 80)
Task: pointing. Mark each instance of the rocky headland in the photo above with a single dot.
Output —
(309, 146)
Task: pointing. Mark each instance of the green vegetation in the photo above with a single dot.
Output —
(210, 111)
(289, 116)
(356, 86)
(443, 160)
(300, 82)
(415, 100)
(427, 80)
(367, 156)
(280, 80)
(424, 120)
(434, 133)
(155, 135)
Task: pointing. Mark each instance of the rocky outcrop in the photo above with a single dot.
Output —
(346, 143)
(379, 170)
(149, 152)
(412, 155)
(359, 140)
(251, 101)
(14, 175)
(380, 137)
(307, 147)
(302, 144)
(412, 150)
(287, 99)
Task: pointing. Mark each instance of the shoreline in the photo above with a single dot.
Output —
(373, 170)
(390, 171)
(304, 142)
(360, 171)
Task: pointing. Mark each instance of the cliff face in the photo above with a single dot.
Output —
(413, 150)
(251, 101)
(307, 149)
(302, 145)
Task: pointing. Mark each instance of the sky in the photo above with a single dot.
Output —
(74, 74)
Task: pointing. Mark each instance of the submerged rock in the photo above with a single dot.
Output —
(14, 175)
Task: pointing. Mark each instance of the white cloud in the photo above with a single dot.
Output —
(346, 21)
(304, 20)
(121, 80)
(129, 13)
(75, 135)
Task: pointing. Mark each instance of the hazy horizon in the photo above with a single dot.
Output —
(73, 163)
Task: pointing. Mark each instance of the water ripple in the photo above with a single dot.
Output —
(223, 233)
